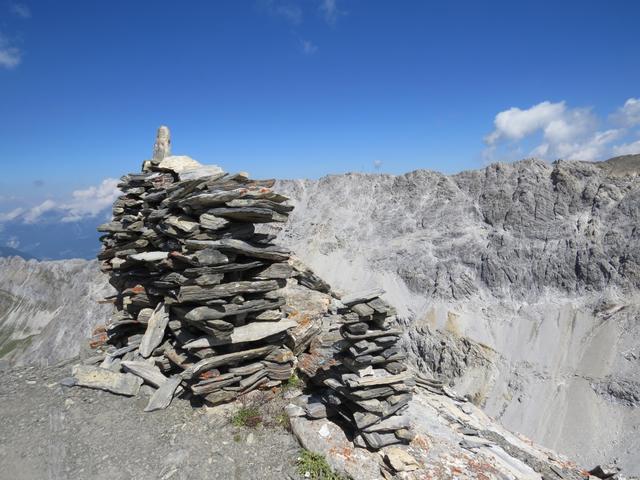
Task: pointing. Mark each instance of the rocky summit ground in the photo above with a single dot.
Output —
(53, 432)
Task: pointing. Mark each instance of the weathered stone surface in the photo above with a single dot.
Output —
(149, 373)
(362, 296)
(226, 359)
(269, 316)
(162, 397)
(149, 256)
(162, 146)
(249, 214)
(363, 310)
(100, 378)
(259, 330)
(196, 293)
(211, 222)
(155, 330)
(400, 460)
(241, 247)
(390, 424)
(178, 163)
(226, 310)
(182, 223)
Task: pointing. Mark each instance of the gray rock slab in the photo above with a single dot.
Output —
(362, 296)
(155, 330)
(225, 359)
(259, 330)
(148, 372)
(102, 379)
(162, 397)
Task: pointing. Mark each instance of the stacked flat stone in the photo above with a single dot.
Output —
(361, 366)
(198, 305)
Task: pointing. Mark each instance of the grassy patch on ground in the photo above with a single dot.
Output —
(247, 416)
(314, 466)
(292, 382)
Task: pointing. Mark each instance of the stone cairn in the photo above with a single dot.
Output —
(360, 373)
(199, 307)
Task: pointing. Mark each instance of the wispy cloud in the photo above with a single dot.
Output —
(628, 115)
(563, 132)
(627, 148)
(84, 203)
(307, 47)
(33, 214)
(330, 11)
(91, 201)
(289, 11)
(13, 242)
(12, 215)
(10, 56)
(20, 9)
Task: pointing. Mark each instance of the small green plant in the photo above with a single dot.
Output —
(237, 438)
(314, 466)
(247, 416)
(282, 420)
(292, 382)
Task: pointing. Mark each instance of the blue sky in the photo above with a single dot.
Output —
(289, 89)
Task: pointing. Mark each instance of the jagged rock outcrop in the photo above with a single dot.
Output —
(537, 263)
(48, 309)
(509, 230)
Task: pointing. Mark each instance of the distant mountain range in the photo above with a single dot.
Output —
(51, 239)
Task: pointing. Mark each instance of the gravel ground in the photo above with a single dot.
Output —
(53, 432)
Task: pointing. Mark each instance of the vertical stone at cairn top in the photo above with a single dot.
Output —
(162, 147)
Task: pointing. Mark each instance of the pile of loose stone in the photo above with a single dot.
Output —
(199, 307)
(360, 373)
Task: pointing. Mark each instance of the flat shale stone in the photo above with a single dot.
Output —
(259, 330)
(155, 330)
(162, 397)
(102, 379)
(362, 296)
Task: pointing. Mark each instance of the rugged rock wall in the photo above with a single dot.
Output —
(47, 309)
(537, 263)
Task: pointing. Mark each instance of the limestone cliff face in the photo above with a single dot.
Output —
(47, 309)
(537, 263)
(507, 231)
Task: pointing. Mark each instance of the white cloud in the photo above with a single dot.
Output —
(13, 214)
(514, 124)
(377, 164)
(330, 11)
(10, 56)
(21, 10)
(629, 114)
(91, 201)
(307, 47)
(33, 214)
(627, 148)
(560, 131)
